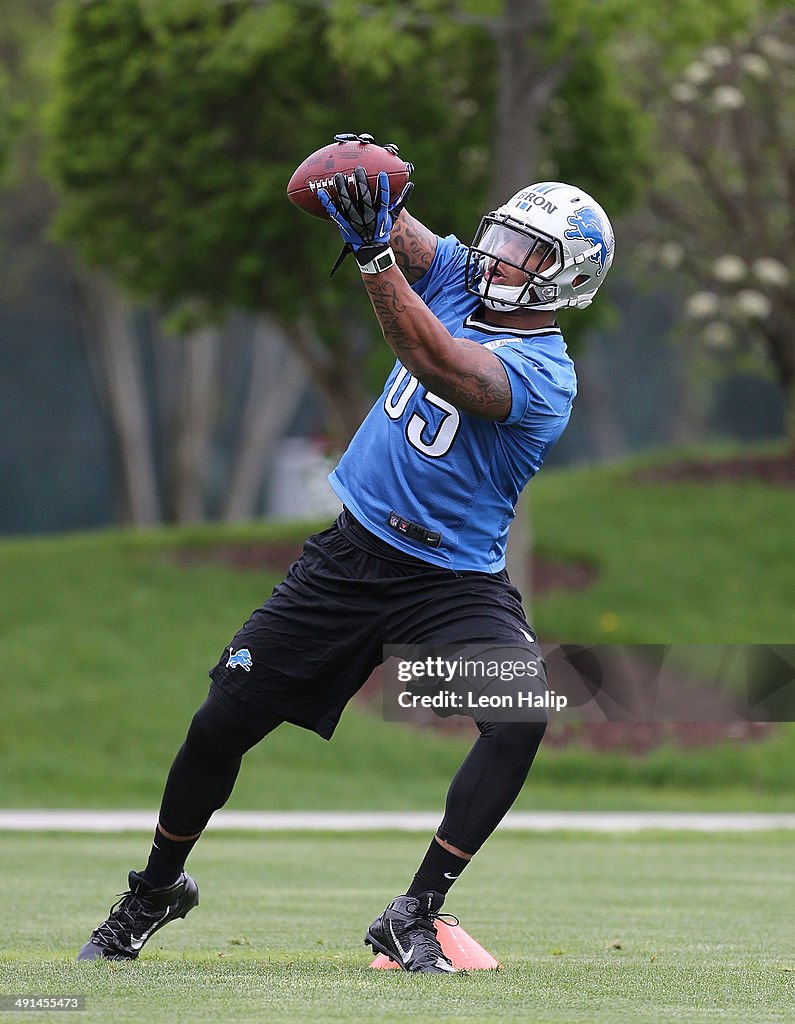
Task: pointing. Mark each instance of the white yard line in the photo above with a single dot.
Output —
(402, 821)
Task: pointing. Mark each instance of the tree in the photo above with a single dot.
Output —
(724, 195)
(174, 130)
(24, 83)
(173, 134)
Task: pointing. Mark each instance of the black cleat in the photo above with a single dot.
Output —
(139, 913)
(405, 932)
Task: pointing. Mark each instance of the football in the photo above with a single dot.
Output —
(318, 171)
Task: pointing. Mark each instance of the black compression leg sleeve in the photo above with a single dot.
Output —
(205, 769)
(488, 781)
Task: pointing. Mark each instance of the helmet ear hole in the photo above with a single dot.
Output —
(580, 279)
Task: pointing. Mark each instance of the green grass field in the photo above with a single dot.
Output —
(108, 641)
(679, 562)
(598, 930)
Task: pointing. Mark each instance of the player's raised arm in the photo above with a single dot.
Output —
(459, 371)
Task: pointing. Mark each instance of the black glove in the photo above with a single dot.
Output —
(395, 206)
(364, 220)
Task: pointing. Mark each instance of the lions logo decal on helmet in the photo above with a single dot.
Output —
(587, 225)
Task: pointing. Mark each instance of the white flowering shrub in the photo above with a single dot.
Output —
(722, 194)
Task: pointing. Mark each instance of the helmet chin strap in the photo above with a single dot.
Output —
(505, 298)
(499, 306)
(502, 307)
(500, 297)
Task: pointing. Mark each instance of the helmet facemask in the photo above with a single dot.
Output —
(511, 267)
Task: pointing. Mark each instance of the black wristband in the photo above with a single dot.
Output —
(367, 253)
(383, 261)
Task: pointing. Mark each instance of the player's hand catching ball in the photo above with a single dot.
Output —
(391, 147)
(364, 219)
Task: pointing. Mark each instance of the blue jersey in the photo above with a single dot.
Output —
(435, 482)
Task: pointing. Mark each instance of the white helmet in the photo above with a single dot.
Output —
(556, 234)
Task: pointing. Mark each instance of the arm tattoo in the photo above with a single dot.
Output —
(414, 246)
(474, 381)
(483, 390)
(388, 308)
(478, 386)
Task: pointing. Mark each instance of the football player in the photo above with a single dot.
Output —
(481, 389)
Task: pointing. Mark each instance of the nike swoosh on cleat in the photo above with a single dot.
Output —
(137, 941)
(405, 954)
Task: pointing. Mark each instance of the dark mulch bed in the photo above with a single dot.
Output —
(548, 575)
(635, 738)
(259, 556)
(769, 469)
(720, 710)
(641, 737)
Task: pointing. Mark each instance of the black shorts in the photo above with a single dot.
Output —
(315, 641)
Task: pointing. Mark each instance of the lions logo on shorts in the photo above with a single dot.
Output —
(240, 659)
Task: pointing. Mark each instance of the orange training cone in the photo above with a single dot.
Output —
(461, 948)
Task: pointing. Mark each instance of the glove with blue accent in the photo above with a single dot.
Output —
(394, 207)
(398, 204)
(364, 220)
